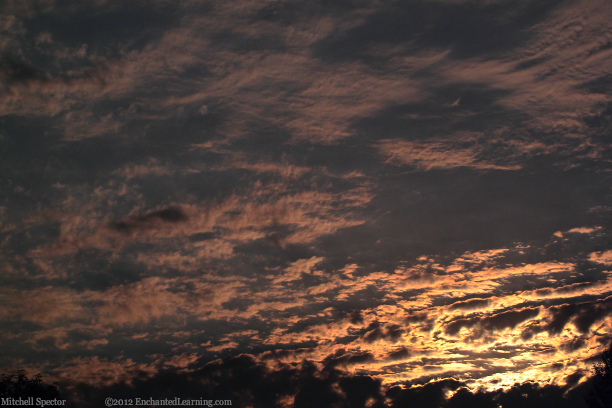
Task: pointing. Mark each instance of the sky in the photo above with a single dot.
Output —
(288, 203)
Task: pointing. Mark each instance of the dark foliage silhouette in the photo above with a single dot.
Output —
(20, 386)
(600, 395)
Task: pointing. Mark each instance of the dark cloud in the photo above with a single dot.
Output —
(356, 317)
(523, 395)
(400, 354)
(431, 394)
(454, 327)
(576, 287)
(249, 383)
(202, 236)
(591, 313)
(343, 358)
(18, 71)
(574, 345)
(602, 120)
(508, 319)
(603, 84)
(278, 354)
(470, 304)
(583, 315)
(496, 322)
(149, 220)
(391, 334)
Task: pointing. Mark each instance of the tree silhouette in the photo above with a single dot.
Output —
(600, 395)
(20, 386)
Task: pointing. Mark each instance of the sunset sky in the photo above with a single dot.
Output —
(307, 203)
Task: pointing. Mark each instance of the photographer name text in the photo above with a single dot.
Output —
(39, 402)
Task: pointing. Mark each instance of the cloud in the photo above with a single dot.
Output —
(508, 319)
(151, 168)
(441, 154)
(284, 170)
(414, 341)
(150, 219)
(29, 90)
(282, 219)
(392, 334)
(296, 269)
(580, 230)
(102, 372)
(583, 230)
(342, 359)
(601, 257)
(400, 354)
(39, 306)
(13, 71)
